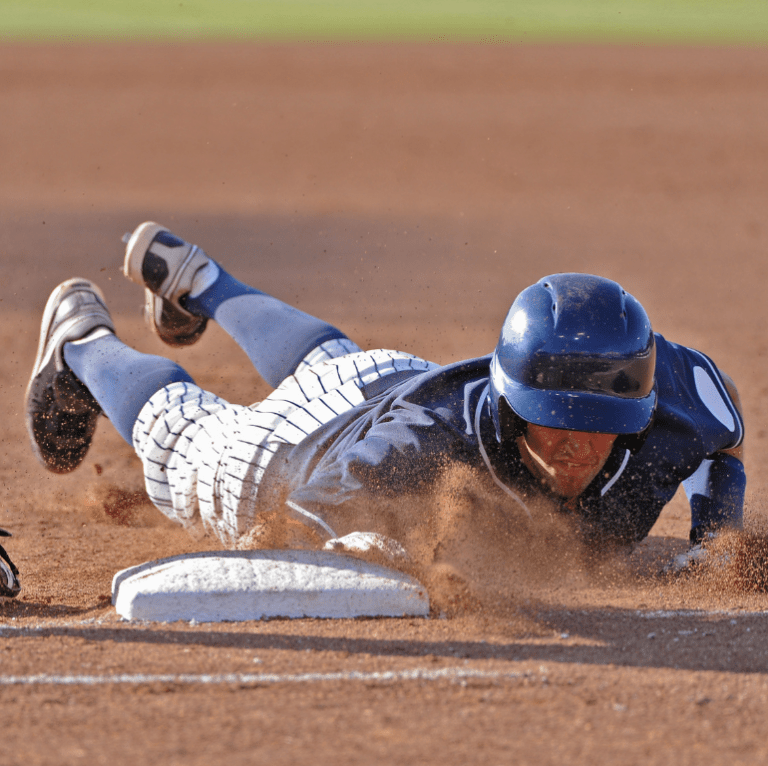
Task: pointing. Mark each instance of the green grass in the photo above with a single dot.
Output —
(687, 21)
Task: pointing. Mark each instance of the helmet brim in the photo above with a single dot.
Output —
(575, 410)
(578, 411)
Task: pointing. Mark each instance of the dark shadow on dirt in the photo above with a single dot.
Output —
(10, 609)
(725, 642)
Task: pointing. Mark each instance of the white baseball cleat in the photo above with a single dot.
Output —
(369, 542)
(169, 269)
(61, 413)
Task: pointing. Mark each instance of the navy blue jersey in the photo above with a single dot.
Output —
(402, 439)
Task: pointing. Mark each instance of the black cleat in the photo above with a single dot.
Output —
(61, 412)
(10, 587)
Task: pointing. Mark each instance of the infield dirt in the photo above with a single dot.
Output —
(406, 194)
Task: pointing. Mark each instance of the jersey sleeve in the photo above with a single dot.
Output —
(716, 487)
(401, 454)
(717, 412)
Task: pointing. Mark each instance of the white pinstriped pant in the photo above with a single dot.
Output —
(204, 458)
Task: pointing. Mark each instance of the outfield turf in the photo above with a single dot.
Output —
(621, 21)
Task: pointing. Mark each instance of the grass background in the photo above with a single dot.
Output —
(489, 21)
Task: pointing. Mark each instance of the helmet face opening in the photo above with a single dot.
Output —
(512, 426)
(576, 352)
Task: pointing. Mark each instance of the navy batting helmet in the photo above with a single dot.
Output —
(577, 352)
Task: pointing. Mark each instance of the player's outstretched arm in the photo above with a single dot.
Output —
(716, 494)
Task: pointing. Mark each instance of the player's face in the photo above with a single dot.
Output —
(566, 461)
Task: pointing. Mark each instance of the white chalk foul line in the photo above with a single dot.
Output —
(663, 613)
(416, 674)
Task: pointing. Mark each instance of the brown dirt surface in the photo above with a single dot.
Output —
(405, 193)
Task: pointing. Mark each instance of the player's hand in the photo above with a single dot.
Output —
(701, 554)
(368, 542)
(684, 562)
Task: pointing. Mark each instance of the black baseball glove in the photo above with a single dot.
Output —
(9, 575)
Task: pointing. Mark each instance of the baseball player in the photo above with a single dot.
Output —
(580, 403)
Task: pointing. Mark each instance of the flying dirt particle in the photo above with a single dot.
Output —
(124, 507)
(742, 558)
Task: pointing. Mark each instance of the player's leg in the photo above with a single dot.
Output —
(202, 457)
(120, 379)
(276, 337)
(82, 369)
(185, 288)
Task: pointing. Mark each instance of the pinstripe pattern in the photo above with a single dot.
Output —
(204, 458)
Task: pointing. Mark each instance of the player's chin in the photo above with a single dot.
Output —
(571, 482)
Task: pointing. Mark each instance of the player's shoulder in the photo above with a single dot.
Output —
(689, 382)
(448, 381)
(681, 363)
(449, 393)
(453, 375)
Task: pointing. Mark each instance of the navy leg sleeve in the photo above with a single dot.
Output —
(274, 335)
(121, 379)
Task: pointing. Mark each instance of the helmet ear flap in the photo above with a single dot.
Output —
(511, 425)
(634, 442)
